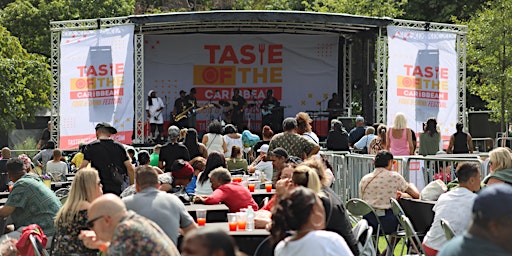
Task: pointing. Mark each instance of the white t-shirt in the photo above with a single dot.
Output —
(230, 142)
(311, 136)
(56, 169)
(454, 206)
(214, 143)
(157, 103)
(267, 168)
(318, 242)
(204, 189)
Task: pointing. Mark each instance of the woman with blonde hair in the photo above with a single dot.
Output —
(500, 163)
(399, 137)
(72, 217)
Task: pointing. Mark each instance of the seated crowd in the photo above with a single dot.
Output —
(118, 208)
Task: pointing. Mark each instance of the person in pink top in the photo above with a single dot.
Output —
(233, 195)
(399, 137)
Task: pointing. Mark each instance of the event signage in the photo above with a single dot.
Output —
(96, 84)
(301, 70)
(422, 78)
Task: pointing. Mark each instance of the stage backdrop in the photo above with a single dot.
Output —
(422, 78)
(300, 69)
(96, 84)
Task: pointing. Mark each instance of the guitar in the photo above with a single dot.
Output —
(270, 110)
(186, 113)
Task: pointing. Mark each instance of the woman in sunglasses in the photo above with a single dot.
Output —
(72, 217)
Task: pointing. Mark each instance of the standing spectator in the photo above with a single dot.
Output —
(203, 185)
(194, 147)
(131, 154)
(294, 144)
(399, 137)
(124, 232)
(377, 187)
(72, 217)
(430, 138)
(236, 161)
(337, 139)
(104, 152)
(45, 136)
(491, 226)
(154, 108)
(454, 207)
(232, 194)
(30, 201)
(363, 144)
(232, 138)
(173, 150)
(357, 132)
(164, 209)
(213, 140)
(45, 155)
(460, 142)
(304, 127)
(56, 167)
(155, 156)
(379, 142)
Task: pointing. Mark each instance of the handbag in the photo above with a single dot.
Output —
(118, 178)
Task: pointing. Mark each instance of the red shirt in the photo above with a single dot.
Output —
(234, 196)
(270, 204)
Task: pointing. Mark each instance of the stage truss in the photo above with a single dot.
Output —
(345, 26)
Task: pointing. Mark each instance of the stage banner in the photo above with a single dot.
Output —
(96, 84)
(301, 70)
(422, 78)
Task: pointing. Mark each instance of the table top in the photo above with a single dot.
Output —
(263, 192)
(3, 201)
(208, 207)
(4, 194)
(224, 226)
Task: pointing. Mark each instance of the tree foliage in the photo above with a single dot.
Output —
(30, 20)
(489, 54)
(25, 79)
(440, 10)
(376, 8)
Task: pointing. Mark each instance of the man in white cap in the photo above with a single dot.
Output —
(154, 107)
(260, 164)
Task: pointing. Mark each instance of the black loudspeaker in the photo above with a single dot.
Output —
(348, 122)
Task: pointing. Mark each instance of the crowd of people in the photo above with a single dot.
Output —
(133, 203)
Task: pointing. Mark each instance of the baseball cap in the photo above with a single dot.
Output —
(263, 148)
(493, 201)
(359, 119)
(173, 131)
(181, 169)
(106, 125)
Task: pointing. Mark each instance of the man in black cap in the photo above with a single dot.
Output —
(268, 106)
(104, 154)
(181, 109)
(490, 231)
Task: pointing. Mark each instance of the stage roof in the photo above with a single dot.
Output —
(256, 22)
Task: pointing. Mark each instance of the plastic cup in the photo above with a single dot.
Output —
(241, 218)
(201, 217)
(251, 186)
(268, 186)
(237, 178)
(48, 183)
(232, 222)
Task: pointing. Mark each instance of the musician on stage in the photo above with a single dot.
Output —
(239, 106)
(335, 108)
(154, 108)
(268, 105)
(180, 109)
(192, 104)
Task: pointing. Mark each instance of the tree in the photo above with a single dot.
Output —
(30, 20)
(375, 8)
(489, 54)
(25, 79)
(441, 11)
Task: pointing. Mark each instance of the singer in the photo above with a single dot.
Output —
(154, 107)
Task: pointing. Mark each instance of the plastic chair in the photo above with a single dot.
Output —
(62, 192)
(359, 207)
(449, 233)
(411, 234)
(363, 233)
(398, 212)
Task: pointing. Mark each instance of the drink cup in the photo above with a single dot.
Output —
(241, 218)
(201, 217)
(232, 221)
(251, 186)
(268, 186)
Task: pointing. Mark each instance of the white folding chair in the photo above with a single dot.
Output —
(363, 233)
(449, 233)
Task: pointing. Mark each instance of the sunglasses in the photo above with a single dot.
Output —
(90, 223)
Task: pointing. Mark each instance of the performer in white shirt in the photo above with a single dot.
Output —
(154, 108)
